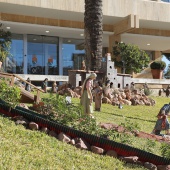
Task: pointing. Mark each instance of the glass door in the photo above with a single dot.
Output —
(42, 58)
(35, 54)
(51, 55)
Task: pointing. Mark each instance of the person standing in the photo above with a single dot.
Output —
(98, 92)
(44, 85)
(86, 95)
(28, 86)
(54, 87)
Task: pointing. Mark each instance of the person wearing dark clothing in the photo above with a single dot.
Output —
(28, 86)
(44, 85)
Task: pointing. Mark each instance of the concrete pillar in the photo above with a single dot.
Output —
(156, 54)
(112, 39)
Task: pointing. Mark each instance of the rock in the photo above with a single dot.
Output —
(82, 144)
(33, 126)
(129, 159)
(72, 142)
(45, 130)
(163, 167)
(53, 134)
(21, 122)
(108, 125)
(112, 153)
(97, 150)
(23, 105)
(150, 166)
(106, 100)
(134, 101)
(63, 137)
(149, 136)
(120, 129)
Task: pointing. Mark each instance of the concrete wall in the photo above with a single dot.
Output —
(145, 9)
(42, 77)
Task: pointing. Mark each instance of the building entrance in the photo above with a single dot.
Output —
(42, 55)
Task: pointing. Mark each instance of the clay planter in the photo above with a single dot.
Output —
(156, 73)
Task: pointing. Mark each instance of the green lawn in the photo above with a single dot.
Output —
(22, 149)
(145, 116)
(32, 150)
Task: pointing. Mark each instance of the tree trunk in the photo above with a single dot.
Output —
(93, 32)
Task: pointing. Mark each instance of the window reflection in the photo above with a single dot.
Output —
(166, 0)
(42, 55)
(15, 62)
(72, 54)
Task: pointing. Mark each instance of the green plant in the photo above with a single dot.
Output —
(9, 94)
(129, 58)
(158, 65)
(130, 125)
(5, 42)
(165, 150)
(148, 91)
(56, 108)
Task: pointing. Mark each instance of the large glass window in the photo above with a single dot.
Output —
(15, 62)
(42, 55)
(72, 54)
(166, 0)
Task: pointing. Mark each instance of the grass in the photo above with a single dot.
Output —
(32, 150)
(141, 117)
(144, 116)
(24, 149)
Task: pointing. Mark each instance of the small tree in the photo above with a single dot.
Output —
(5, 43)
(129, 57)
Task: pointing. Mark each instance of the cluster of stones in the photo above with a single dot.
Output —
(140, 134)
(113, 96)
(82, 144)
(127, 97)
(69, 92)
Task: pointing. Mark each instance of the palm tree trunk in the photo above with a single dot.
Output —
(93, 31)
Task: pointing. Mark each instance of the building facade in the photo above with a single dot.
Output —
(48, 35)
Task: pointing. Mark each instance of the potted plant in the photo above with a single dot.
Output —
(157, 68)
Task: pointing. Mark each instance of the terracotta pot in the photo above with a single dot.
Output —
(157, 74)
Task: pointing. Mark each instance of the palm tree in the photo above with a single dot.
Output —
(93, 31)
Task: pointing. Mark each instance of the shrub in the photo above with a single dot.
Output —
(9, 94)
(147, 91)
(158, 65)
